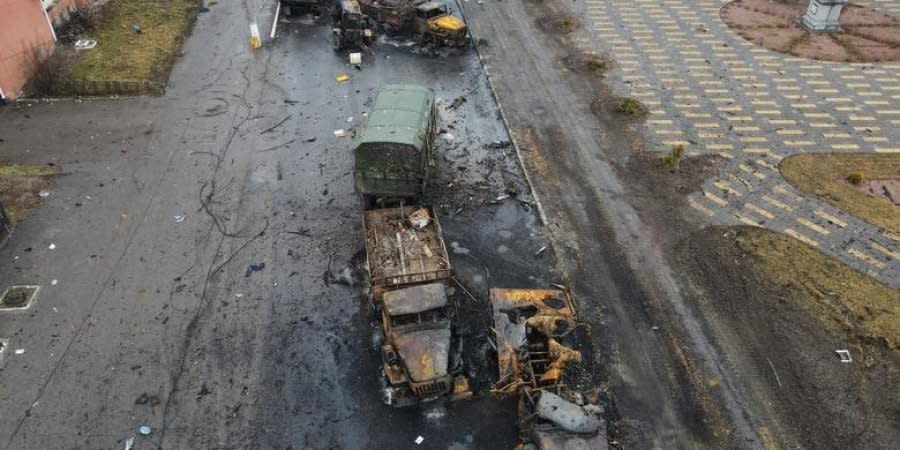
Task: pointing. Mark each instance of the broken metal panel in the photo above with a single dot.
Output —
(425, 353)
(526, 323)
(415, 299)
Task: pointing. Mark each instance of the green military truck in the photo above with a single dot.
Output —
(393, 153)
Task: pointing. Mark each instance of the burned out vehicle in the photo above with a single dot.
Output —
(350, 29)
(392, 155)
(297, 7)
(427, 21)
(536, 346)
(416, 350)
(409, 267)
(433, 22)
(532, 327)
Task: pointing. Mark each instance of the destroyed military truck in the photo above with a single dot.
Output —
(535, 342)
(393, 153)
(297, 7)
(532, 327)
(350, 29)
(426, 21)
(409, 267)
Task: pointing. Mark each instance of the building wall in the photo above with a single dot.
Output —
(24, 30)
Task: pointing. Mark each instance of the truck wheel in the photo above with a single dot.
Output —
(336, 41)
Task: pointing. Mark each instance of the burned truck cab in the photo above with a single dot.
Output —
(416, 350)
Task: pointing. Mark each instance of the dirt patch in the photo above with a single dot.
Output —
(558, 24)
(886, 189)
(627, 108)
(587, 63)
(787, 308)
(21, 188)
(866, 35)
(16, 297)
(831, 177)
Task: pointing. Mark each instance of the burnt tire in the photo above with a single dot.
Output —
(337, 42)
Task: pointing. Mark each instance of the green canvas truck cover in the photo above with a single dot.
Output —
(391, 151)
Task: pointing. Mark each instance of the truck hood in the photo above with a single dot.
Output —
(448, 22)
(425, 353)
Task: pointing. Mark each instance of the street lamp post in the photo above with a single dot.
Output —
(822, 15)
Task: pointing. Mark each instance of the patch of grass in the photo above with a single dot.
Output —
(673, 158)
(124, 55)
(20, 186)
(846, 301)
(830, 177)
(631, 107)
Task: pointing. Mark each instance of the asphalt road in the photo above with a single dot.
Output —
(160, 322)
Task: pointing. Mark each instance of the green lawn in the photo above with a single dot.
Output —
(825, 175)
(124, 55)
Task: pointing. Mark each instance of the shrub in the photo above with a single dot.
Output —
(674, 156)
(855, 178)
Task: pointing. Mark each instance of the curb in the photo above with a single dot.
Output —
(503, 117)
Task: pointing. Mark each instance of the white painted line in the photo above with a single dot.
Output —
(275, 21)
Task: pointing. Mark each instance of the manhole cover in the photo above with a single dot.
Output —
(866, 35)
(18, 297)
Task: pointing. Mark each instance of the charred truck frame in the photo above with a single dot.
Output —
(426, 21)
(409, 267)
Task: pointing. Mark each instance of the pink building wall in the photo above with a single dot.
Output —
(24, 29)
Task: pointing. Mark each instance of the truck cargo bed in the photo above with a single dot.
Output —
(400, 253)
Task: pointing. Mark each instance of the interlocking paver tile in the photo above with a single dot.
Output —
(709, 88)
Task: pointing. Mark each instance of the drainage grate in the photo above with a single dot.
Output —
(18, 297)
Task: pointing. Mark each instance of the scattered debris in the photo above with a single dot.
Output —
(340, 132)
(254, 268)
(144, 430)
(356, 59)
(457, 102)
(498, 145)
(52, 246)
(566, 415)
(844, 355)
(178, 218)
(44, 193)
(540, 250)
(53, 283)
(129, 443)
(420, 218)
(342, 77)
(420, 440)
(19, 351)
(276, 125)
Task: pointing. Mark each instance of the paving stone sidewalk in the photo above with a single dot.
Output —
(714, 92)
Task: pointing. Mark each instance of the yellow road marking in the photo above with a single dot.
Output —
(866, 258)
(812, 226)
(831, 218)
(759, 210)
(885, 250)
(715, 199)
(793, 233)
(777, 203)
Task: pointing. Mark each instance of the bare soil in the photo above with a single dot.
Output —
(867, 35)
(558, 23)
(788, 308)
(20, 187)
